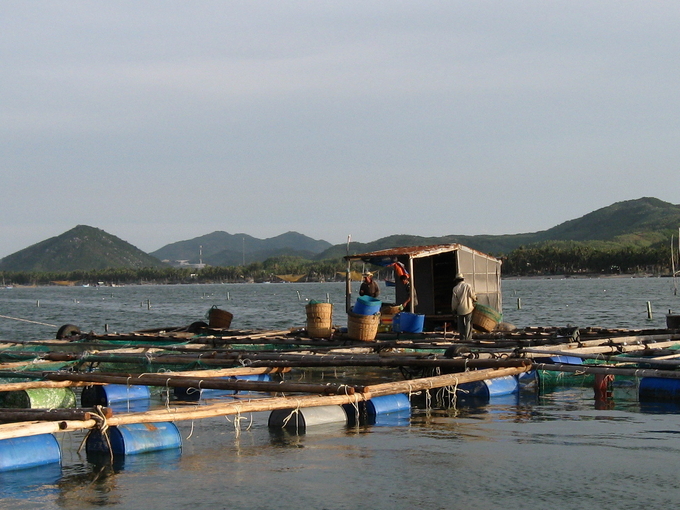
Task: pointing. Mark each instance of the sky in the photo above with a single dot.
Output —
(161, 121)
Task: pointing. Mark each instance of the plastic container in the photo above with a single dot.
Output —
(406, 322)
(488, 388)
(29, 451)
(196, 394)
(368, 412)
(367, 305)
(319, 320)
(136, 438)
(659, 389)
(39, 398)
(105, 395)
(298, 420)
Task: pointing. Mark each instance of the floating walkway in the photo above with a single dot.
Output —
(109, 385)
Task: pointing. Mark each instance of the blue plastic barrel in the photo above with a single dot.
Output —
(388, 404)
(367, 413)
(659, 389)
(105, 395)
(136, 438)
(405, 322)
(194, 394)
(27, 452)
(302, 418)
(367, 305)
(488, 388)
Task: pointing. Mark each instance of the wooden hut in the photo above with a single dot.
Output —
(432, 270)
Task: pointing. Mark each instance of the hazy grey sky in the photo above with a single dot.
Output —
(160, 121)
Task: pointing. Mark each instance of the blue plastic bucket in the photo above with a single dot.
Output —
(405, 322)
(136, 438)
(367, 305)
(27, 452)
(111, 393)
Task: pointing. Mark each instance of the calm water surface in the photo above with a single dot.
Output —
(554, 449)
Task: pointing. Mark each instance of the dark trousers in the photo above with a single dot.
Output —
(465, 327)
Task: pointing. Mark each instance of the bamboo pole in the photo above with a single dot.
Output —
(19, 415)
(207, 383)
(258, 405)
(19, 386)
(595, 369)
(603, 349)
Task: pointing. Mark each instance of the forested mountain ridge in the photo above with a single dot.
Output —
(82, 247)
(642, 222)
(644, 226)
(223, 249)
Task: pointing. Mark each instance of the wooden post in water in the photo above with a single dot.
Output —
(649, 309)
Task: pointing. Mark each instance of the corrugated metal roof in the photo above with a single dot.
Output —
(417, 251)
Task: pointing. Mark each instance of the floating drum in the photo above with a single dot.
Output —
(105, 395)
(39, 398)
(135, 438)
(485, 318)
(659, 389)
(406, 322)
(192, 394)
(300, 419)
(319, 319)
(488, 388)
(219, 319)
(388, 404)
(30, 451)
(196, 394)
(362, 327)
(366, 412)
(367, 305)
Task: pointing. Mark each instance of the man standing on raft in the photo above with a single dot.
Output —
(369, 287)
(463, 303)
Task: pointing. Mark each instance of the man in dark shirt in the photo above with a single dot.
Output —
(369, 287)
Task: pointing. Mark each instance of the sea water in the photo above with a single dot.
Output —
(549, 449)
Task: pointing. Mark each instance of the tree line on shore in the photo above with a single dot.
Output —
(558, 257)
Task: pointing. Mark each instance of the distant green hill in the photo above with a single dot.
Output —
(81, 248)
(642, 222)
(223, 249)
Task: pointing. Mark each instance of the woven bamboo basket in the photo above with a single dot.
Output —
(319, 320)
(362, 327)
(220, 319)
(485, 318)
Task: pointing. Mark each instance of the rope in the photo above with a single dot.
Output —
(26, 320)
(295, 411)
(102, 426)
